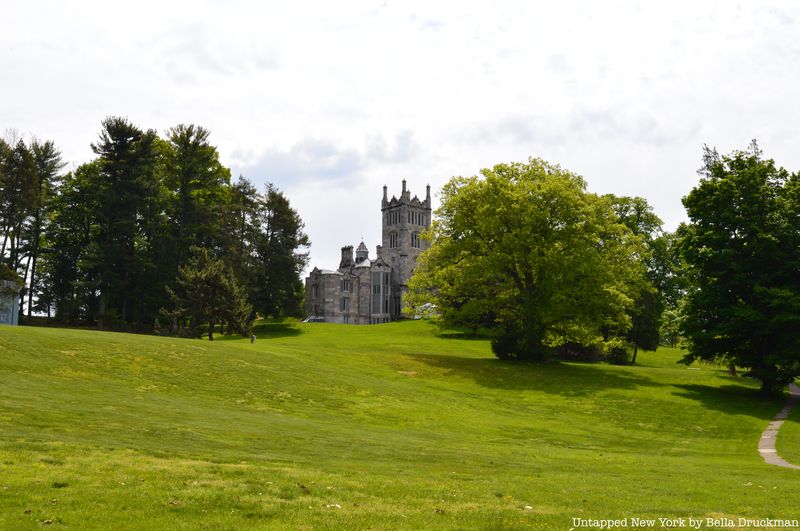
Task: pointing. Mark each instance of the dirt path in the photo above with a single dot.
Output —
(766, 445)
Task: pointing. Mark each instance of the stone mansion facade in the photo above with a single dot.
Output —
(366, 290)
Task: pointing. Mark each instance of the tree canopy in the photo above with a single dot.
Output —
(525, 250)
(102, 243)
(742, 250)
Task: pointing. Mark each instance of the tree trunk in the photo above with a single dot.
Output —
(30, 290)
(731, 369)
(635, 352)
(34, 256)
(101, 311)
(770, 387)
(211, 330)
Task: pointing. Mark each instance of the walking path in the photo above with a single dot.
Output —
(766, 445)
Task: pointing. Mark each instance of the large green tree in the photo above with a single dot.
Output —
(742, 250)
(199, 190)
(69, 270)
(48, 166)
(18, 199)
(526, 250)
(280, 255)
(130, 201)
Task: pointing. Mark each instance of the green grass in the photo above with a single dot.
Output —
(320, 426)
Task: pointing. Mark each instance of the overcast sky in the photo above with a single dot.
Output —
(332, 100)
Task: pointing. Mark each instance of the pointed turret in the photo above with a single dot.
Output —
(362, 253)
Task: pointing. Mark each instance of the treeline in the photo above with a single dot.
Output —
(110, 242)
(548, 269)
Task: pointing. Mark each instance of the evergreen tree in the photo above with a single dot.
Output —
(206, 293)
(129, 196)
(71, 266)
(48, 165)
(18, 199)
(280, 257)
(199, 189)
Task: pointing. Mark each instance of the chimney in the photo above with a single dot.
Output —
(347, 257)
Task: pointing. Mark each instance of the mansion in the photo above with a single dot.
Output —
(366, 290)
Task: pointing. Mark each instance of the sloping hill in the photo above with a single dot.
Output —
(387, 426)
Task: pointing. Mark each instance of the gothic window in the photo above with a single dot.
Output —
(345, 304)
(345, 285)
(313, 291)
(415, 239)
(392, 240)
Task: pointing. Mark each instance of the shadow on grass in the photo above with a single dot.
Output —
(269, 330)
(272, 329)
(732, 399)
(554, 378)
(461, 336)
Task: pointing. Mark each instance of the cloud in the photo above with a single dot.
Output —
(310, 160)
(325, 161)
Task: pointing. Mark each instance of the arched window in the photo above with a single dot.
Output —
(392, 240)
(415, 239)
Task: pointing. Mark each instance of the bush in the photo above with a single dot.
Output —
(616, 351)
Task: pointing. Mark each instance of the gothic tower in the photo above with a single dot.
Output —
(403, 221)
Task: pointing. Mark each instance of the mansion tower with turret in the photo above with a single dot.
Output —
(366, 290)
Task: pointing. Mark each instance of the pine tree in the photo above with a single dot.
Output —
(206, 293)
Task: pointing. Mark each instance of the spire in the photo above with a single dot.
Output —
(428, 195)
(385, 194)
(404, 186)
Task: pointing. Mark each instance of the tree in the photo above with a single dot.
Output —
(19, 187)
(279, 253)
(207, 293)
(645, 313)
(71, 266)
(130, 197)
(526, 250)
(199, 188)
(48, 165)
(742, 250)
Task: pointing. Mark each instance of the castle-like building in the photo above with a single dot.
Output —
(369, 291)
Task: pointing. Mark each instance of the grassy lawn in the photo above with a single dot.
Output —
(319, 426)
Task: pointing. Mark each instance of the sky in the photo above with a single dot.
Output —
(331, 100)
